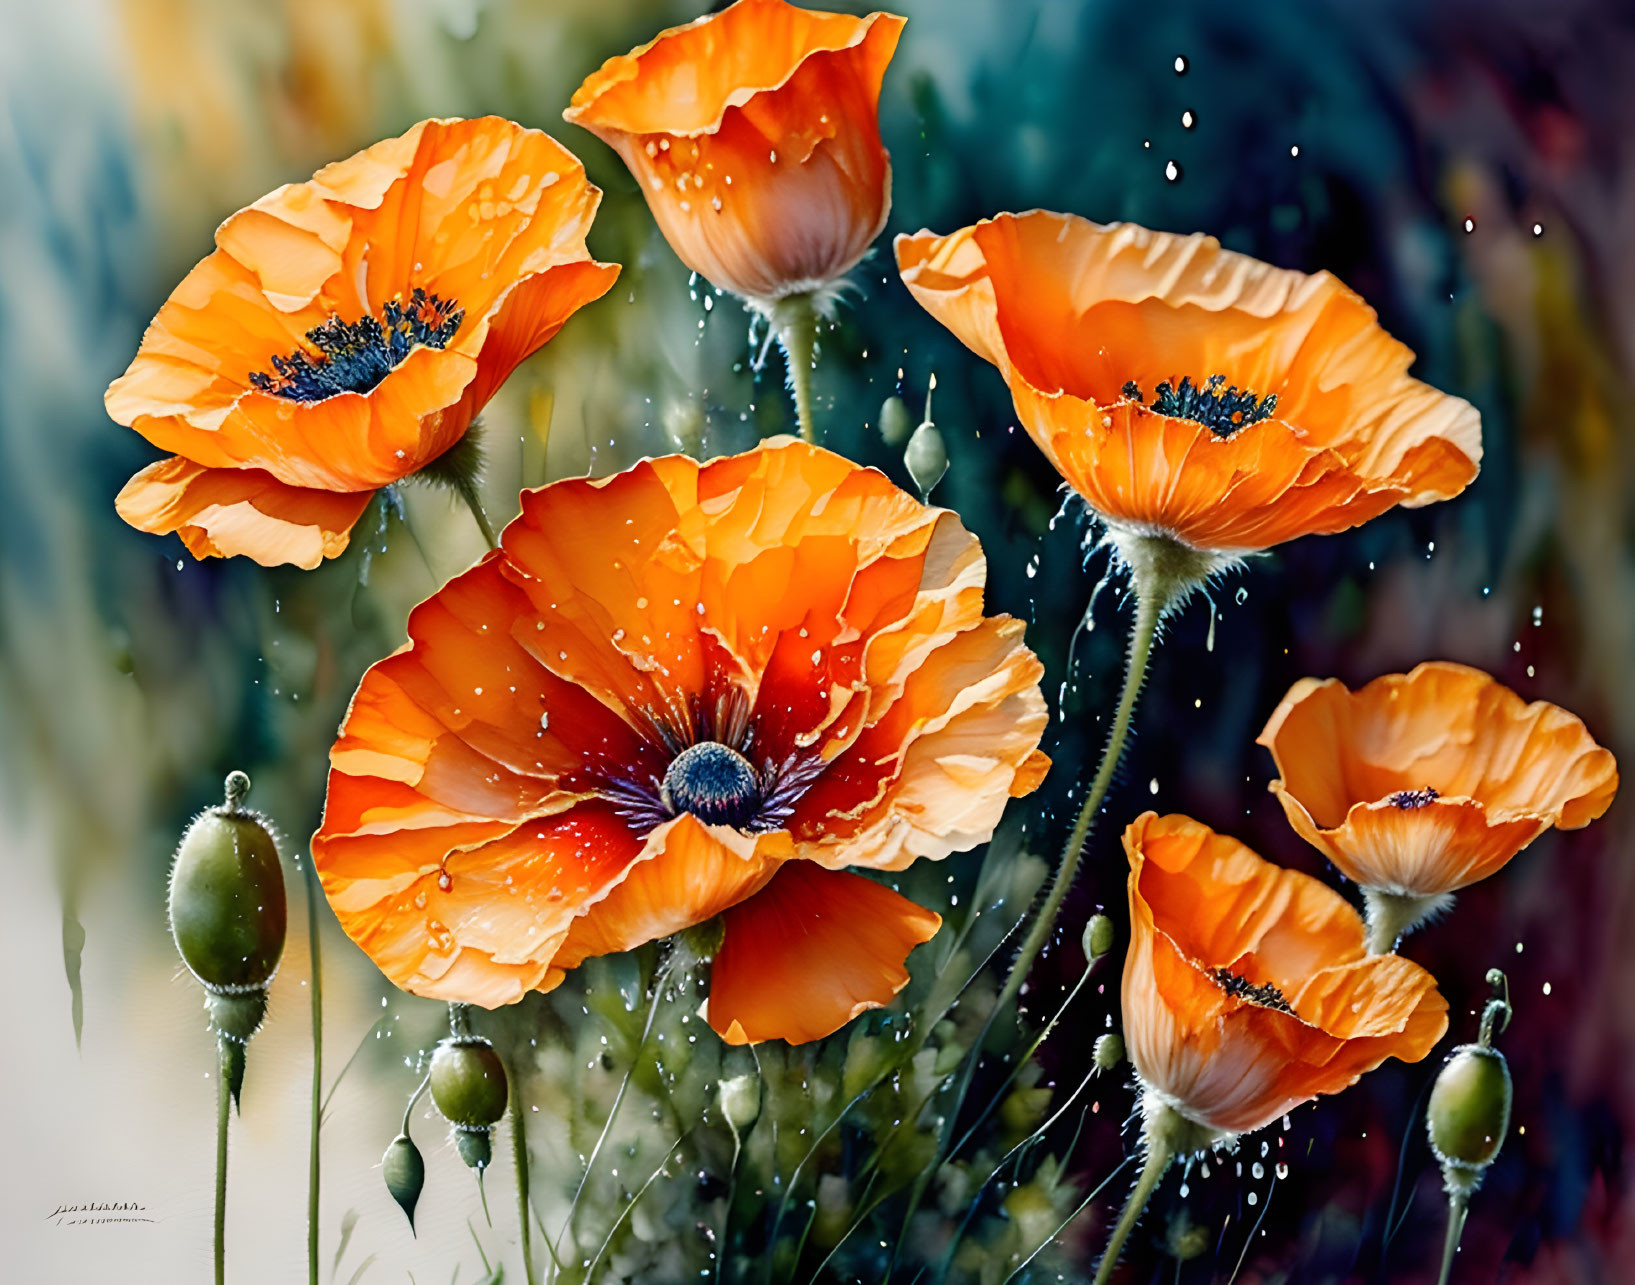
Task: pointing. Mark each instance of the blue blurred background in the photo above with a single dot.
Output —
(1467, 165)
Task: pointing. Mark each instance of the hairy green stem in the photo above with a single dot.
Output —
(1457, 1209)
(224, 1098)
(1159, 1154)
(519, 1152)
(795, 321)
(315, 963)
(1151, 600)
(466, 485)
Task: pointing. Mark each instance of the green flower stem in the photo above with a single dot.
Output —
(315, 961)
(519, 1152)
(1159, 1155)
(466, 485)
(224, 1099)
(1152, 598)
(795, 321)
(1458, 1207)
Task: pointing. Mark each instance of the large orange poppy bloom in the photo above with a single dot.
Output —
(1419, 784)
(755, 136)
(346, 330)
(684, 691)
(1247, 990)
(1190, 392)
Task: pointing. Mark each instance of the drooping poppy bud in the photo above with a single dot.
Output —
(404, 1169)
(469, 1087)
(1109, 1051)
(896, 425)
(1098, 938)
(927, 458)
(228, 917)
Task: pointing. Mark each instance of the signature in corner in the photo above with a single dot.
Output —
(98, 1212)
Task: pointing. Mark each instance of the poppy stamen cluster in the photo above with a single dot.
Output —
(1222, 410)
(354, 356)
(1409, 800)
(1239, 987)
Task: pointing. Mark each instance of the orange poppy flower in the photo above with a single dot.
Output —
(1247, 990)
(1189, 392)
(755, 136)
(1419, 784)
(345, 332)
(684, 691)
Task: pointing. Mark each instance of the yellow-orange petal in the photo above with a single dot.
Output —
(481, 923)
(687, 874)
(754, 135)
(1075, 314)
(1246, 987)
(809, 952)
(224, 512)
(1423, 783)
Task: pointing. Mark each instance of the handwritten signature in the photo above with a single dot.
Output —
(99, 1212)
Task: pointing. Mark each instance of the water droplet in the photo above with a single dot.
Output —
(1180, 65)
(1188, 120)
(1470, 224)
(1172, 171)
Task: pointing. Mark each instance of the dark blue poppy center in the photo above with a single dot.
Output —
(1265, 994)
(1222, 410)
(354, 356)
(715, 783)
(1409, 800)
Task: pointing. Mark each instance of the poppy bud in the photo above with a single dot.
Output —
(1469, 1113)
(228, 918)
(895, 423)
(926, 457)
(1098, 938)
(1109, 1051)
(740, 1102)
(469, 1087)
(404, 1169)
(227, 909)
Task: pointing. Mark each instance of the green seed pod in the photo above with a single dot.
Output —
(404, 1169)
(1109, 1051)
(469, 1087)
(926, 457)
(1469, 1112)
(740, 1101)
(896, 424)
(227, 910)
(468, 1081)
(1098, 938)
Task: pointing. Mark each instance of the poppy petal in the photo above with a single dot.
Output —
(809, 952)
(223, 512)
